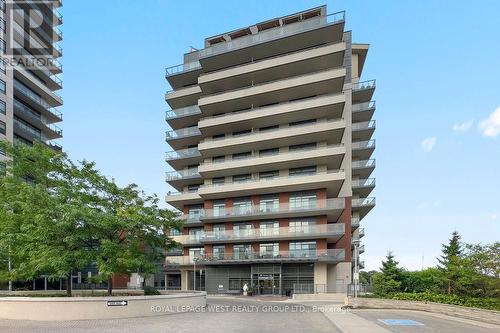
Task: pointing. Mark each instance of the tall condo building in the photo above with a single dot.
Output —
(29, 71)
(272, 151)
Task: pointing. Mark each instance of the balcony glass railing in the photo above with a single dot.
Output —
(181, 174)
(35, 133)
(183, 153)
(189, 239)
(255, 156)
(366, 202)
(363, 145)
(273, 33)
(314, 255)
(355, 221)
(275, 233)
(366, 125)
(363, 164)
(183, 112)
(252, 210)
(182, 133)
(363, 182)
(265, 179)
(178, 69)
(364, 85)
(363, 106)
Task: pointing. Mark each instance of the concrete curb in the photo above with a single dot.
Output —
(487, 316)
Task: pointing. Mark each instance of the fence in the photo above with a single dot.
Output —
(310, 288)
(363, 289)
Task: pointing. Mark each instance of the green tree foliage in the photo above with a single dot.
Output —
(451, 263)
(57, 216)
(389, 280)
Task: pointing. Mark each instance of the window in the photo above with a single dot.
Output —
(195, 234)
(269, 152)
(219, 208)
(302, 249)
(218, 159)
(242, 229)
(193, 188)
(302, 122)
(3, 46)
(268, 128)
(268, 175)
(218, 251)
(242, 178)
(218, 137)
(242, 206)
(302, 225)
(242, 156)
(195, 212)
(3, 107)
(219, 230)
(195, 253)
(305, 171)
(269, 203)
(269, 228)
(239, 133)
(218, 181)
(174, 232)
(302, 200)
(305, 146)
(271, 250)
(3, 25)
(2, 5)
(242, 251)
(3, 87)
(3, 128)
(3, 66)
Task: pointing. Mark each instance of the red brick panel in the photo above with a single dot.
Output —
(284, 245)
(345, 241)
(120, 280)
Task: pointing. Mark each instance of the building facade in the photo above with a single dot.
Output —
(272, 156)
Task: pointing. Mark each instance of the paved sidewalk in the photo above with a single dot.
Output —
(348, 322)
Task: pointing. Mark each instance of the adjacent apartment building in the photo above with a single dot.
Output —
(29, 70)
(272, 150)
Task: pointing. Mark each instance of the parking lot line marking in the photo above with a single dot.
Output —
(400, 322)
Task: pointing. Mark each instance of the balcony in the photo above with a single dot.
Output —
(49, 131)
(332, 208)
(332, 180)
(331, 156)
(189, 239)
(328, 256)
(183, 137)
(183, 97)
(363, 111)
(363, 169)
(294, 63)
(179, 199)
(316, 107)
(363, 150)
(363, 187)
(281, 90)
(332, 232)
(184, 74)
(183, 117)
(363, 206)
(363, 131)
(355, 222)
(330, 131)
(180, 179)
(362, 92)
(289, 35)
(179, 159)
(192, 220)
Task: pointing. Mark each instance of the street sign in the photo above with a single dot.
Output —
(117, 303)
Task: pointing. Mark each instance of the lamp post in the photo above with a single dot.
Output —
(356, 270)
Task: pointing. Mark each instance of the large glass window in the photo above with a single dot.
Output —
(242, 251)
(269, 203)
(2, 128)
(242, 156)
(195, 212)
(195, 234)
(303, 147)
(3, 106)
(302, 225)
(269, 250)
(219, 208)
(3, 87)
(219, 230)
(218, 251)
(306, 200)
(196, 253)
(305, 171)
(302, 249)
(242, 229)
(242, 178)
(242, 206)
(269, 228)
(268, 175)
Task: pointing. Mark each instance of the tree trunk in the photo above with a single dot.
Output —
(110, 286)
(449, 287)
(68, 284)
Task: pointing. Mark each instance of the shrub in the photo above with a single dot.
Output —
(151, 291)
(474, 302)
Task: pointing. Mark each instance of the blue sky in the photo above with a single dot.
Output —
(436, 65)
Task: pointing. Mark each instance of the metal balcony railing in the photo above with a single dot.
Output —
(182, 133)
(178, 69)
(363, 164)
(363, 106)
(307, 255)
(183, 153)
(181, 174)
(361, 232)
(364, 85)
(366, 202)
(278, 208)
(355, 221)
(183, 112)
(363, 182)
(363, 125)
(363, 145)
(273, 33)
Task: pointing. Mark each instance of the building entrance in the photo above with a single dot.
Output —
(269, 284)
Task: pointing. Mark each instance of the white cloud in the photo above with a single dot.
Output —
(491, 126)
(428, 144)
(463, 127)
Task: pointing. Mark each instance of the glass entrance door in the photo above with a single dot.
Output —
(269, 284)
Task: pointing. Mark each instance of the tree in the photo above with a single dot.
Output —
(389, 280)
(366, 277)
(450, 262)
(420, 281)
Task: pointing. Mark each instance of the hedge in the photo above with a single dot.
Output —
(474, 302)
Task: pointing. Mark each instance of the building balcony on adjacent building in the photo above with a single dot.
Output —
(183, 97)
(363, 150)
(332, 232)
(184, 136)
(332, 208)
(180, 179)
(179, 159)
(181, 198)
(363, 131)
(363, 169)
(363, 206)
(183, 117)
(331, 180)
(49, 131)
(34, 100)
(363, 187)
(195, 239)
(329, 155)
(362, 92)
(363, 111)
